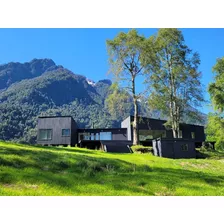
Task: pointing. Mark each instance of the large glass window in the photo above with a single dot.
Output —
(97, 136)
(45, 134)
(105, 136)
(192, 135)
(145, 135)
(86, 136)
(65, 132)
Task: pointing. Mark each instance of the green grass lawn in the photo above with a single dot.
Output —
(32, 170)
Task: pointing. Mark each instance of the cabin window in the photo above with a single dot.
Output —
(45, 134)
(145, 135)
(65, 132)
(84, 136)
(180, 135)
(105, 136)
(92, 136)
(192, 135)
(184, 147)
(97, 136)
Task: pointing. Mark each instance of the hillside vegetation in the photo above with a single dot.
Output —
(33, 170)
(39, 87)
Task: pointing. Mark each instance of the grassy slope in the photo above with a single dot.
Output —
(31, 170)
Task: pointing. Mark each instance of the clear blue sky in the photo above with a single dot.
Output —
(84, 50)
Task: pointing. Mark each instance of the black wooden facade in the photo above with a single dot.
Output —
(63, 130)
(150, 129)
(56, 127)
(174, 148)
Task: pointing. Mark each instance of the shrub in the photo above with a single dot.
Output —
(141, 149)
(206, 146)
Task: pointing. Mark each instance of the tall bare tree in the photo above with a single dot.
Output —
(126, 52)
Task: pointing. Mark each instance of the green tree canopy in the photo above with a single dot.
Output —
(214, 130)
(174, 83)
(216, 88)
(118, 103)
(215, 126)
(126, 57)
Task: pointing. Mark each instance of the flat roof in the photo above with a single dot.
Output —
(100, 129)
(53, 116)
(156, 119)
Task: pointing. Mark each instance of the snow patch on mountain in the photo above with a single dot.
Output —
(90, 82)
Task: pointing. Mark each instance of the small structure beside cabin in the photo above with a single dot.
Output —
(174, 148)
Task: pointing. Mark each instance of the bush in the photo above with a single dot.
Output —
(141, 149)
(206, 146)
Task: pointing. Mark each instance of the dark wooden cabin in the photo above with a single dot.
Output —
(63, 130)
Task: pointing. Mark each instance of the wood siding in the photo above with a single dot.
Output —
(156, 124)
(57, 124)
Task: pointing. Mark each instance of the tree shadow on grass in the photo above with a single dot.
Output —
(209, 154)
(169, 178)
(49, 148)
(70, 170)
(67, 149)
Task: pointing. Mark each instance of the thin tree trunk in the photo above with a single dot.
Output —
(135, 123)
(172, 117)
(174, 124)
(175, 130)
(172, 99)
(173, 105)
